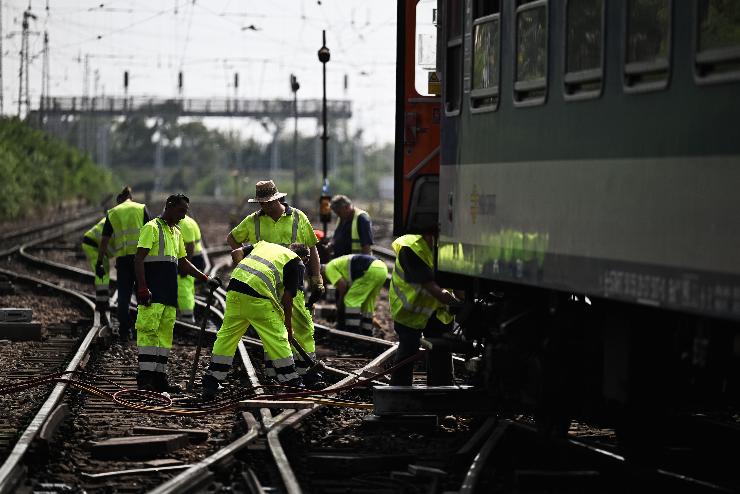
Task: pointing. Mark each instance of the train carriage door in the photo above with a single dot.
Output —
(418, 92)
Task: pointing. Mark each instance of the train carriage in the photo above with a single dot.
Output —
(581, 162)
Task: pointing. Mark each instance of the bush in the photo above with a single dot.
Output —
(40, 171)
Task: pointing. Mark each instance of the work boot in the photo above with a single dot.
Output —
(145, 381)
(296, 384)
(124, 335)
(164, 386)
(314, 380)
(210, 387)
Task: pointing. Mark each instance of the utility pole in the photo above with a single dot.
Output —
(44, 79)
(294, 86)
(23, 72)
(1, 58)
(324, 210)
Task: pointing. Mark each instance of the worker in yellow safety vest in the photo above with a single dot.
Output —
(186, 283)
(90, 244)
(418, 304)
(160, 254)
(279, 223)
(121, 230)
(260, 293)
(358, 279)
(353, 233)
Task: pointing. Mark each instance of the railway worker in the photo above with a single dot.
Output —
(122, 225)
(160, 253)
(90, 244)
(279, 223)
(263, 286)
(353, 233)
(186, 283)
(358, 279)
(418, 304)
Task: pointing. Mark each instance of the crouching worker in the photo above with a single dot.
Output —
(160, 253)
(260, 293)
(358, 279)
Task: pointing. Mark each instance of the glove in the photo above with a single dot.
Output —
(214, 283)
(315, 296)
(99, 269)
(143, 295)
(316, 283)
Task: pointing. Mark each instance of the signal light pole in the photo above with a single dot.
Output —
(324, 210)
(294, 86)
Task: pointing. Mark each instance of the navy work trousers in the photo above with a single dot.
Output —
(126, 282)
(408, 345)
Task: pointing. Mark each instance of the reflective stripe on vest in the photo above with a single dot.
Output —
(411, 304)
(161, 257)
(126, 219)
(356, 245)
(293, 236)
(265, 263)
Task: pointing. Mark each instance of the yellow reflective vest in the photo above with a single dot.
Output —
(355, 233)
(262, 270)
(191, 234)
(411, 304)
(126, 219)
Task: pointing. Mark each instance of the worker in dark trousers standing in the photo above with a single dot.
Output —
(186, 283)
(263, 285)
(419, 306)
(160, 255)
(121, 229)
(354, 231)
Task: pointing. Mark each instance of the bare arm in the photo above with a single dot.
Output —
(367, 249)
(185, 266)
(440, 294)
(232, 242)
(103, 248)
(287, 303)
(314, 262)
(141, 253)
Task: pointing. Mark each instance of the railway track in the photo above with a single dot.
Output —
(317, 443)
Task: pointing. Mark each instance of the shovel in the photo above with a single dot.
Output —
(209, 301)
(314, 365)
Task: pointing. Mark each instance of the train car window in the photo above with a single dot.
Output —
(530, 86)
(484, 94)
(718, 41)
(426, 82)
(454, 57)
(648, 43)
(584, 49)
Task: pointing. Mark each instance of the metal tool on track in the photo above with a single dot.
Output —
(204, 322)
(315, 364)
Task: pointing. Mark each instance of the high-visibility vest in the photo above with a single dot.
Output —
(411, 304)
(93, 235)
(126, 219)
(356, 246)
(283, 232)
(262, 270)
(164, 247)
(191, 233)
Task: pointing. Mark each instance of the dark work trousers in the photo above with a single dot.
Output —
(408, 345)
(126, 282)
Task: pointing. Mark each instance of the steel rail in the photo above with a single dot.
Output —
(273, 437)
(56, 229)
(13, 469)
